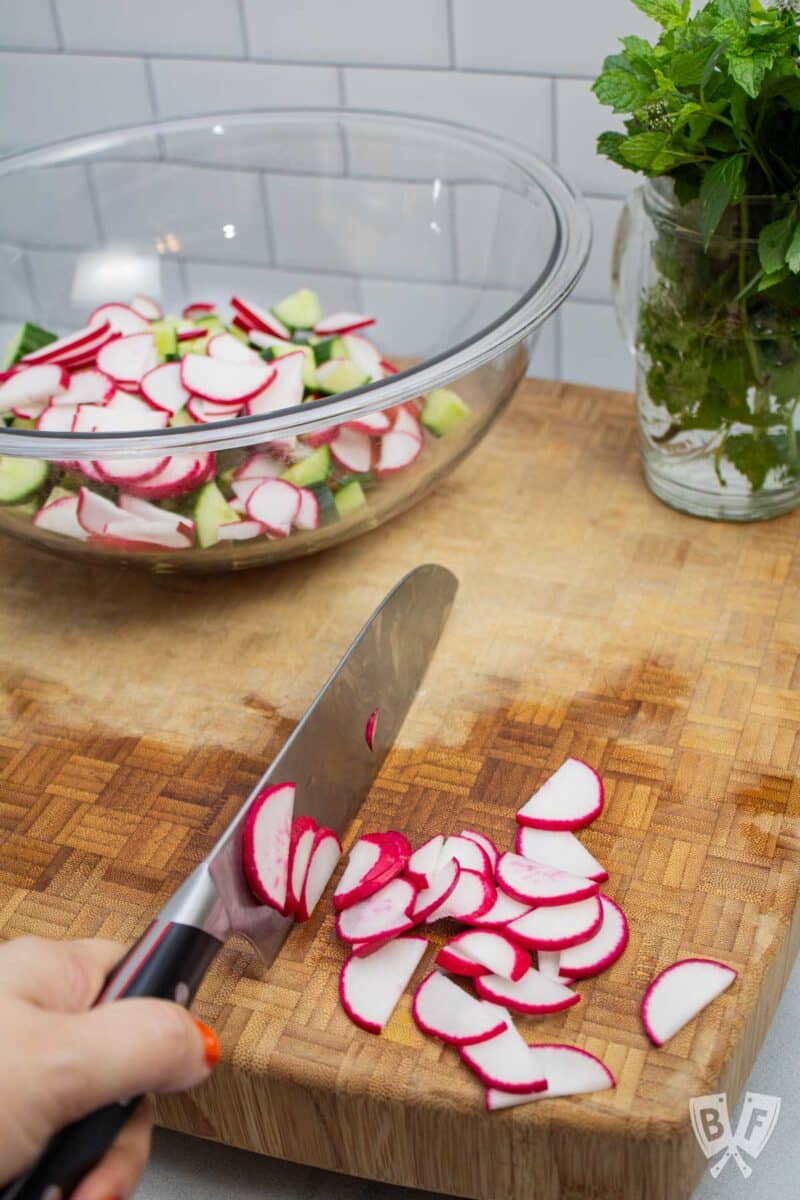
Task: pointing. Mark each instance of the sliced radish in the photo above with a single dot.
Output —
(536, 883)
(129, 357)
(424, 862)
(601, 950)
(57, 418)
(75, 345)
(276, 504)
(325, 854)
(256, 317)
(369, 729)
(558, 927)
(438, 892)
(162, 388)
(548, 960)
(205, 411)
(89, 470)
(257, 336)
(224, 382)
(445, 1011)
(559, 848)
(137, 534)
(258, 466)
(61, 516)
(300, 844)
(361, 351)
(492, 950)
(121, 318)
(28, 385)
(486, 844)
(407, 421)
(308, 516)
(320, 437)
(147, 307)
(532, 993)
(679, 993)
(341, 322)
(95, 512)
(373, 424)
(123, 412)
(151, 512)
(87, 387)
(30, 412)
(284, 388)
(370, 988)
(198, 310)
(121, 471)
(375, 860)
(568, 1070)
(183, 473)
(352, 450)
(397, 451)
(265, 844)
(570, 799)
(232, 349)
(504, 1062)
(382, 915)
(468, 854)
(389, 367)
(192, 335)
(473, 895)
(240, 531)
(504, 910)
(459, 964)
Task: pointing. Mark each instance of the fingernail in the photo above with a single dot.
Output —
(210, 1042)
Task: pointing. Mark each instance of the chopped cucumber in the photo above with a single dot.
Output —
(212, 323)
(327, 505)
(236, 332)
(23, 423)
(314, 469)
(20, 478)
(211, 510)
(166, 334)
(29, 337)
(28, 509)
(180, 418)
(328, 348)
(349, 498)
(340, 375)
(442, 411)
(58, 493)
(365, 478)
(309, 364)
(301, 310)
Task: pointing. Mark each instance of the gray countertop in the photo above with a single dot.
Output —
(184, 1168)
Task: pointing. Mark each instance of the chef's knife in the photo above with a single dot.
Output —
(328, 759)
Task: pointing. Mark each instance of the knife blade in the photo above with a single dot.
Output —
(328, 759)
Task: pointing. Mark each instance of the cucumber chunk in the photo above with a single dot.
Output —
(211, 510)
(327, 348)
(340, 375)
(349, 498)
(309, 364)
(212, 323)
(443, 411)
(181, 418)
(20, 478)
(29, 337)
(301, 310)
(327, 505)
(166, 334)
(314, 469)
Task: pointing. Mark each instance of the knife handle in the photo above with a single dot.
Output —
(168, 962)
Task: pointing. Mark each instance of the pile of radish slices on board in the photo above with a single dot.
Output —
(542, 897)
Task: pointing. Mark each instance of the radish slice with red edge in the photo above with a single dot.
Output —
(504, 1062)
(301, 842)
(198, 310)
(120, 318)
(459, 964)
(570, 799)
(151, 512)
(352, 450)
(122, 413)
(275, 503)
(87, 387)
(256, 317)
(425, 861)
(230, 348)
(320, 437)
(121, 471)
(284, 389)
(473, 895)
(374, 860)
(308, 513)
(559, 848)
(162, 388)
(370, 988)
(191, 335)
(361, 351)
(468, 854)
(397, 451)
(369, 729)
(492, 950)
(341, 322)
(61, 516)
(31, 384)
(30, 412)
(557, 927)
(240, 531)
(601, 950)
(258, 466)
(325, 854)
(445, 1011)
(679, 993)
(569, 1072)
(373, 424)
(533, 993)
(486, 844)
(73, 345)
(382, 915)
(548, 960)
(95, 512)
(147, 307)
(266, 839)
(407, 421)
(504, 910)
(128, 358)
(536, 883)
(438, 892)
(183, 473)
(142, 535)
(224, 382)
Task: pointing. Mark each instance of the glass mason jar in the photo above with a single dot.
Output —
(718, 361)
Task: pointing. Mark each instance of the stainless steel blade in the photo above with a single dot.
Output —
(327, 755)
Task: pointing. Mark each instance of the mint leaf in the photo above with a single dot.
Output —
(793, 252)
(668, 13)
(620, 90)
(723, 184)
(773, 244)
(754, 456)
(736, 10)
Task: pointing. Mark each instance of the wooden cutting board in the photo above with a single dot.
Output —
(137, 712)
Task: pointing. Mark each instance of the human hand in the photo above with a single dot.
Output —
(61, 1061)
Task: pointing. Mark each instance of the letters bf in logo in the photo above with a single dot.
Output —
(712, 1128)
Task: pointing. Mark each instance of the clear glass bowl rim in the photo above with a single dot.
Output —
(534, 306)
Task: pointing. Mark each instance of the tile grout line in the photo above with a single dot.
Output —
(554, 120)
(451, 33)
(244, 28)
(54, 13)
(266, 210)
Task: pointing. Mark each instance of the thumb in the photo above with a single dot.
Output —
(120, 1050)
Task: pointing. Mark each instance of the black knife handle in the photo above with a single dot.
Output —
(169, 962)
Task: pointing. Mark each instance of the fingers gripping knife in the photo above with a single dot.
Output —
(328, 758)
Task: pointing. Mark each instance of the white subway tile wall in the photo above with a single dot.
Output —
(521, 69)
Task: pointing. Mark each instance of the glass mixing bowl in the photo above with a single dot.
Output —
(459, 244)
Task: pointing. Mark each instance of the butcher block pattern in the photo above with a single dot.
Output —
(136, 712)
